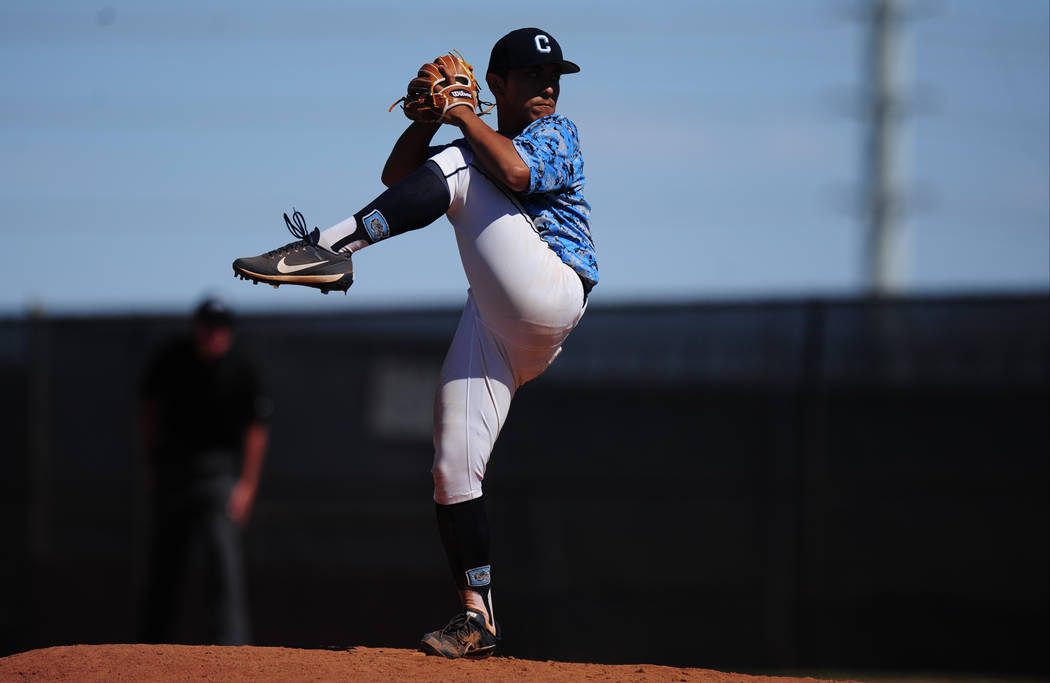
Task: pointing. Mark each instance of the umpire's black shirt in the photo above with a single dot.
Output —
(203, 407)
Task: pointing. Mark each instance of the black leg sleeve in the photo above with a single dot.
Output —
(466, 536)
(416, 201)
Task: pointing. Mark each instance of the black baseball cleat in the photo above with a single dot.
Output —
(465, 636)
(299, 263)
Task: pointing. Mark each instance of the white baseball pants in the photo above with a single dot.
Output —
(522, 303)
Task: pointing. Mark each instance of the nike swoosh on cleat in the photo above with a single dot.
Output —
(283, 267)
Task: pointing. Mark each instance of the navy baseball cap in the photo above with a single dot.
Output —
(212, 311)
(527, 47)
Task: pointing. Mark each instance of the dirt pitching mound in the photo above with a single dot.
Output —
(196, 663)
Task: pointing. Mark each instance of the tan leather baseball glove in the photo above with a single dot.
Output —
(446, 82)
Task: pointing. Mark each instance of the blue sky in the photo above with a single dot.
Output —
(144, 145)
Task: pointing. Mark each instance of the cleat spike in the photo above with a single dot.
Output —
(276, 286)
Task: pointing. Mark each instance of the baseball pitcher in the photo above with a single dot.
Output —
(515, 198)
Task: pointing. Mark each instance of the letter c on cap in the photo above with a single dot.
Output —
(543, 43)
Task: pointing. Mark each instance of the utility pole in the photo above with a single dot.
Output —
(884, 249)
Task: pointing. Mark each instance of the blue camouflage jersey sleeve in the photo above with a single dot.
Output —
(550, 147)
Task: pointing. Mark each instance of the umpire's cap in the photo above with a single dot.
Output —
(527, 47)
(213, 311)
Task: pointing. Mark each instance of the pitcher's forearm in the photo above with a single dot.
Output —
(496, 153)
(409, 152)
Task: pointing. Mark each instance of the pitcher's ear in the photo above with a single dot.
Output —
(496, 83)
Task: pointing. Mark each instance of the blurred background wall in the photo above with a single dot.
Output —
(817, 483)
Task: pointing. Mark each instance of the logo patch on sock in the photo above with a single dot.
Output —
(480, 576)
(376, 225)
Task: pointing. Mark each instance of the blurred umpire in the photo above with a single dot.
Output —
(204, 430)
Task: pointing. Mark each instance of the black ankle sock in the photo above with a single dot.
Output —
(416, 201)
(466, 536)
